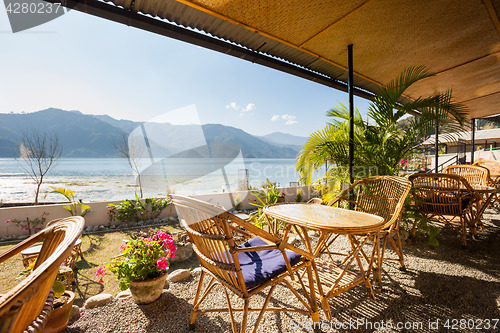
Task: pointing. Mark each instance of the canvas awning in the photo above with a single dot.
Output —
(457, 40)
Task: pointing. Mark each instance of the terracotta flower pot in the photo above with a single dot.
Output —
(58, 318)
(144, 292)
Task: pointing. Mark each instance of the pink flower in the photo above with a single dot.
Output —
(162, 263)
(8, 221)
(163, 235)
(100, 272)
(123, 247)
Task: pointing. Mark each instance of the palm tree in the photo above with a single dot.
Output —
(380, 141)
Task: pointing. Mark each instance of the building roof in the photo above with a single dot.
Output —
(479, 136)
(457, 40)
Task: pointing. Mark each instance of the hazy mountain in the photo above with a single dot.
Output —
(285, 140)
(95, 136)
(80, 135)
(125, 125)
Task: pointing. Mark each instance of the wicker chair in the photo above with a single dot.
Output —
(475, 175)
(383, 196)
(494, 167)
(27, 306)
(245, 269)
(445, 198)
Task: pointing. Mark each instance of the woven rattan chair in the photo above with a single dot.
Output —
(383, 196)
(494, 167)
(27, 306)
(475, 175)
(245, 269)
(445, 198)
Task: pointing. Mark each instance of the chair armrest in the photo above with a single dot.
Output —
(267, 237)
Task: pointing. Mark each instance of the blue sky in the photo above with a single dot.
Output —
(81, 62)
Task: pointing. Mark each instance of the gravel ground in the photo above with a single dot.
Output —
(444, 289)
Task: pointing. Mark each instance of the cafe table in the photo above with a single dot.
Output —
(484, 195)
(331, 276)
(34, 250)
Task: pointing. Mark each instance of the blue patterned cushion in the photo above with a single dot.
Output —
(261, 266)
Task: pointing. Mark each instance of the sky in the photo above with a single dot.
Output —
(81, 62)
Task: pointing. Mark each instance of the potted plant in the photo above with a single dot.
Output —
(61, 309)
(142, 266)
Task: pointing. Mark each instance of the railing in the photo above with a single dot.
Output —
(445, 163)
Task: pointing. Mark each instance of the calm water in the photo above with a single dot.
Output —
(113, 179)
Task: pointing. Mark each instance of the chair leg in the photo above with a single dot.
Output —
(194, 312)
(231, 315)
(264, 306)
(398, 248)
(464, 232)
(245, 316)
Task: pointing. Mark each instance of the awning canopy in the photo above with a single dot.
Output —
(457, 40)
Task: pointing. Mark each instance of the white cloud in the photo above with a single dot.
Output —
(275, 117)
(249, 107)
(290, 120)
(233, 106)
(241, 109)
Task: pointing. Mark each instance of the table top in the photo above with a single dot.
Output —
(36, 248)
(475, 187)
(325, 218)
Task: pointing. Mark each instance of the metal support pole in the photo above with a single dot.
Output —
(473, 137)
(436, 146)
(350, 92)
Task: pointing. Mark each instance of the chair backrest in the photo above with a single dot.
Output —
(383, 196)
(441, 194)
(475, 175)
(208, 226)
(492, 165)
(27, 305)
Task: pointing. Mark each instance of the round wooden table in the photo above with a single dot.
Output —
(331, 278)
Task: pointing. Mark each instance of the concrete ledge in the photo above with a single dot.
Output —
(99, 215)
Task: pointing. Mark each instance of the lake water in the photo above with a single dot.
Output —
(113, 179)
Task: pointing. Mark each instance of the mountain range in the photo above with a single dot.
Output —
(91, 136)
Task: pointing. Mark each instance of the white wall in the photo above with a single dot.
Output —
(99, 216)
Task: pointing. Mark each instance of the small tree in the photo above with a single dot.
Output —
(133, 151)
(38, 152)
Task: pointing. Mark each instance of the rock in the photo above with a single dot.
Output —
(179, 275)
(102, 227)
(22, 237)
(196, 271)
(112, 226)
(75, 312)
(3, 239)
(403, 234)
(184, 252)
(95, 228)
(89, 228)
(156, 220)
(172, 218)
(149, 221)
(167, 284)
(293, 239)
(126, 294)
(98, 300)
(312, 233)
(140, 223)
